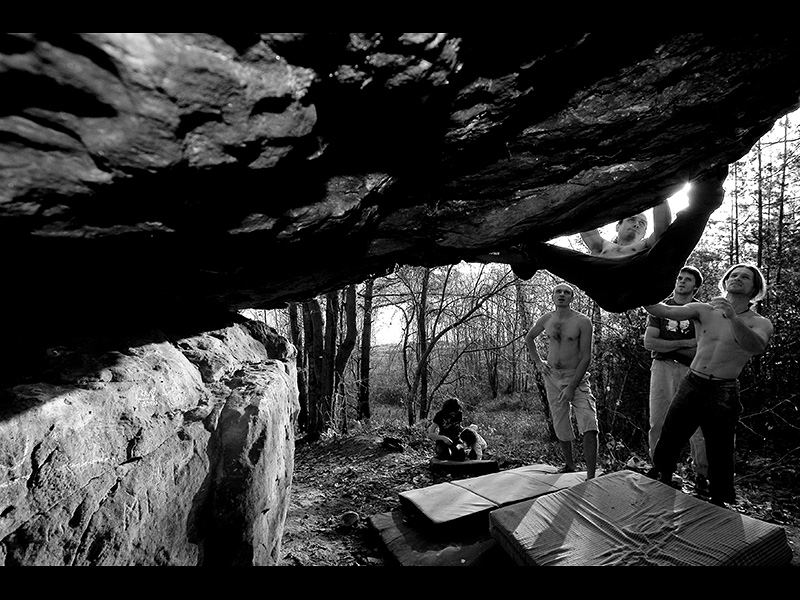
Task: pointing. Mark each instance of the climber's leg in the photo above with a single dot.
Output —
(583, 270)
(679, 240)
(605, 280)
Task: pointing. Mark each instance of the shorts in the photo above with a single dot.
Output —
(583, 404)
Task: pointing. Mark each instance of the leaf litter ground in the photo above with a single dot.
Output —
(341, 481)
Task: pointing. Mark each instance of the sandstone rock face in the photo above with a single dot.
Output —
(153, 169)
(167, 450)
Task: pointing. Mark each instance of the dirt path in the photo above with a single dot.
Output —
(363, 475)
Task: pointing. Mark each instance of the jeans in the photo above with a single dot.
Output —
(713, 405)
(665, 377)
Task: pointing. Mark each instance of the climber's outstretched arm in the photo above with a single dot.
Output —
(662, 217)
(593, 240)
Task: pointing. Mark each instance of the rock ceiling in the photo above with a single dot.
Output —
(246, 170)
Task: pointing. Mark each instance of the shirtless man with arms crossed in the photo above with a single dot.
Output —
(729, 333)
(569, 335)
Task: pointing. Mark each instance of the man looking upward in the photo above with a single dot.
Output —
(730, 333)
(569, 336)
(673, 346)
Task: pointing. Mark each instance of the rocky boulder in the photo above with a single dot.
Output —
(162, 449)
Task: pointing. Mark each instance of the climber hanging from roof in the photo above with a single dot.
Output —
(631, 271)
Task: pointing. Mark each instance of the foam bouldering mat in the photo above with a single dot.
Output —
(555, 478)
(464, 467)
(626, 518)
(446, 504)
(508, 486)
(408, 546)
(467, 502)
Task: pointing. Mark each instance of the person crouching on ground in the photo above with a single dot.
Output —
(473, 443)
(445, 430)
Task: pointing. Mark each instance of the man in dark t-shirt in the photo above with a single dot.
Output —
(673, 346)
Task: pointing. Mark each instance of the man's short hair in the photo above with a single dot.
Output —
(698, 277)
(759, 283)
(563, 284)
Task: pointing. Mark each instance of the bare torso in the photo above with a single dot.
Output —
(612, 250)
(564, 338)
(718, 353)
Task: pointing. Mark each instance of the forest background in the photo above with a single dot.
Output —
(459, 330)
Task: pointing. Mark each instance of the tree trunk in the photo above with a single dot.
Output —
(537, 376)
(419, 384)
(344, 351)
(733, 254)
(329, 357)
(760, 197)
(597, 366)
(302, 366)
(782, 205)
(315, 347)
(492, 370)
(422, 339)
(366, 347)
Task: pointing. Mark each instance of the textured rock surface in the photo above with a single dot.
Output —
(143, 170)
(165, 450)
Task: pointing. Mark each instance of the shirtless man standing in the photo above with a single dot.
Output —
(730, 333)
(569, 335)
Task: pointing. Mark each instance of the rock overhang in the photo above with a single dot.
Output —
(154, 172)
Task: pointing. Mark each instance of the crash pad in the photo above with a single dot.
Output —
(409, 546)
(626, 518)
(446, 504)
(467, 502)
